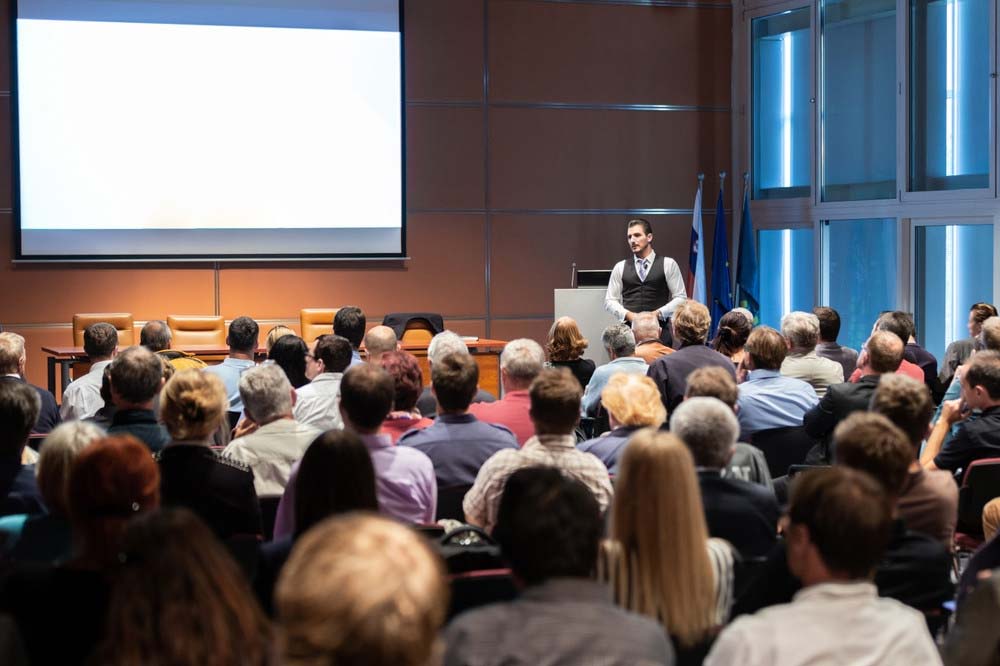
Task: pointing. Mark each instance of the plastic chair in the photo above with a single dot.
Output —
(314, 322)
(197, 330)
(783, 447)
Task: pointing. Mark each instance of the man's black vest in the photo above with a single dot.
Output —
(648, 296)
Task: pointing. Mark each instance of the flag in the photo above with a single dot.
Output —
(747, 280)
(722, 291)
(696, 276)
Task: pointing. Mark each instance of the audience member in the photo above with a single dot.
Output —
(959, 351)
(217, 488)
(768, 399)
(900, 325)
(276, 333)
(974, 640)
(106, 414)
(156, 337)
(316, 403)
(408, 381)
(289, 353)
(632, 402)
(647, 331)
(565, 348)
(731, 336)
(691, 322)
(13, 362)
(827, 347)
(136, 377)
(360, 589)
(274, 440)
(928, 502)
(801, 331)
(19, 406)
(378, 341)
(520, 362)
(457, 443)
(660, 561)
(349, 323)
(82, 398)
(555, 411)
(244, 334)
(988, 339)
(839, 522)
(442, 344)
(619, 342)
(916, 354)
(882, 354)
(549, 528)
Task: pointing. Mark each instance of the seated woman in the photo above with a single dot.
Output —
(565, 346)
(289, 352)
(729, 340)
(409, 382)
(275, 334)
(660, 561)
(632, 402)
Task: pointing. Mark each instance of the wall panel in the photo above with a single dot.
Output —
(444, 158)
(444, 50)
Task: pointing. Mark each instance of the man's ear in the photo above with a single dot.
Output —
(295, 397)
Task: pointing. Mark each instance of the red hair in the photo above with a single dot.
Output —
(406, 376)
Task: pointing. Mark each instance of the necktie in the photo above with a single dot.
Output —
(643, 267)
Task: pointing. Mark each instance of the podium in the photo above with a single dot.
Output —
(586, 306)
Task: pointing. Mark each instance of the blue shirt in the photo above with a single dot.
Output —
(610, 447)
(355, 358)
(458, 445)
(770, 400)
(230, 371)
(632, 365)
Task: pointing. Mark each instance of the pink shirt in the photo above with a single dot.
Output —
(511, 411)
(911, 370)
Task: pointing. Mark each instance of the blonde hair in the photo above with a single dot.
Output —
(276, 332)
(193, 404)
(633, 400)
(657, 561)
(11, 352)
(565, 343)
(360, 589)
(56, 459)
(691, 322)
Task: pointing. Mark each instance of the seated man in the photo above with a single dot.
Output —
(13, 360)
(632, 402)
(19, 406)
(549, 527)
(274, 440)
(242, 340)
(647, 330)
(136, 377)
(156, 337)
(801, 331)
(691, 322)
(457, 442)
(82, 398)
(379, 340)
(555, 411)
(901, 325)
(349, 322)
(316, 402)
(769, 399)
(742, 513)
(442, 344)
(959, 351)
(838, 530)
(520, 362)
(827, 347)
(619, 343)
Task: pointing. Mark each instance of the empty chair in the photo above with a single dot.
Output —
(783, 447)
(980, 484)
(197, 330)
(122, 321)
(314, 322)
(414, 327)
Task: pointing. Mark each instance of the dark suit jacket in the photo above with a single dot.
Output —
(839, 401)
(48, 417)
(18, 490)
(670, 372)
(744, 514)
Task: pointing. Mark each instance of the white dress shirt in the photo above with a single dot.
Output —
(270, 452)
(82, 398)
(318, 402)
(675, 283)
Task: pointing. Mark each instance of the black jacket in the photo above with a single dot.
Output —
(48, 417)
(840, 401)
(670, 372)
(744, 514)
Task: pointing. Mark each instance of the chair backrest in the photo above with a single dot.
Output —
(980, 484)
(783, 447)
(472, 589)
(418, 331)
(315, 322)
(197, 330)
(268, 514)
(449, 503)
(122, 321)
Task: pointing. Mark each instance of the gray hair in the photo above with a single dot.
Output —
(619, 339)
(523, 359)
(801, 329)
(709, 428)
(444, 343)
(59, 450)
(746, 313)
(155, 335)
(266, 393)
(11, 352)
(645, 326)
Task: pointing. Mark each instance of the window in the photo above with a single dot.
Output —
(786, 273)
(781, 61)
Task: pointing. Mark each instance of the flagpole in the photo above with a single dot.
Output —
(739, 239)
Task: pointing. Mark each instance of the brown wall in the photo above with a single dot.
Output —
(507, 183)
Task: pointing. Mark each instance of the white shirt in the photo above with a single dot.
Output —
(318, 402)
(675, 283)
(271, 451)
(831, 624)
(82, 398)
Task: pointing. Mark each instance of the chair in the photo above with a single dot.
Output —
(418, 331)
(472, 589)
(122, 321)
(197, 330)
(415, 328)
(783, 447)
(980, 484)
(268, 514)
(315, 322)
(449, 503)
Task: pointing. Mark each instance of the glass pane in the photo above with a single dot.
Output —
(787, 273)
(858, 114)
(954, 269)
(950, 94)
(781, 105)
(861, 259)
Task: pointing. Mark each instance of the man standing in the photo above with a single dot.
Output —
(646, 282)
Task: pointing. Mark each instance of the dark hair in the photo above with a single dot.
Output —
(982, 311)
(767, 348)
(19, 407)
(638, 221)
(136, 375)
(289, 353)
(243, 335)
(406, 376)
(172, 563)
(455, 378)
(897, 322)
(335, 352)
(555, 401)
(349, 322)
(155, 335)
(829, 323)
(100, 340)
(906, 402)
(872, 443)
(884, 355)
(734, 329)
(336, 475)
(848, 516)
(983, 369)
(548, 525)
(366, 395)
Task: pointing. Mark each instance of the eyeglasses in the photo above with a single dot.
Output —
(310, 357)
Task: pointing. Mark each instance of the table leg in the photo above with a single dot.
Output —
(65, 366)
(52, 374)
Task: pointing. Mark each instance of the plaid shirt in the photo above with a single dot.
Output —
(559, 451)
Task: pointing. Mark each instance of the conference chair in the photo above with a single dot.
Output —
(122, 321)
(197, 330)
(783, 447)
(980, 484)
(414, 328)
(314, 322)
(449, 504)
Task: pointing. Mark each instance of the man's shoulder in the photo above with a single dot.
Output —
(745, 490)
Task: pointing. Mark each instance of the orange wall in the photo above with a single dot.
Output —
(505, 188)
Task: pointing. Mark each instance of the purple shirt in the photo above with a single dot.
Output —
(404, 483)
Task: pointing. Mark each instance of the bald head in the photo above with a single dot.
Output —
(379, 340)
(155, 336)
(646, 326)
(885, 352)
